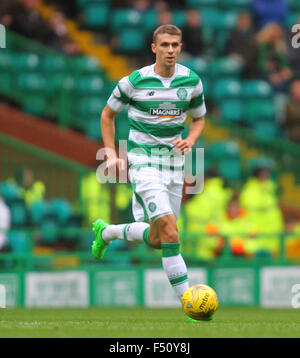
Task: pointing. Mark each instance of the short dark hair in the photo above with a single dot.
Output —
(167, 29)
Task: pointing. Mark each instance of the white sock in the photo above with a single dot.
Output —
(130, 232)
(175, 268)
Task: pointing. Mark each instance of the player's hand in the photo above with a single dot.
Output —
(115, 162)
(184, 146)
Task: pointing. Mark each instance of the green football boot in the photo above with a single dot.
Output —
(197, 321)
(99, 245)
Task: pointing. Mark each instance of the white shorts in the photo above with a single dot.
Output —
(156, 192)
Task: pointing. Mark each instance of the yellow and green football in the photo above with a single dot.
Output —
(200, 302)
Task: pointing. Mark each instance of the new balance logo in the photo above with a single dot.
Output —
(150, 93)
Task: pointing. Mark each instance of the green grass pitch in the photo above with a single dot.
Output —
(96, 322)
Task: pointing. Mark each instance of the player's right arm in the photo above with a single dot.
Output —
(108, 135)
(119, 98)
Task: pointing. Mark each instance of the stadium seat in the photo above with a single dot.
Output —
(258, 110)
(96, 14)
(49, 230)
(89, 106)
(230, 168)
(18, 241)
(5, 60)
(224, 67)
(266, 128)
(9, 191)
(90, 85)
(31, 82)
(256, 89)
(92, 129)
(37, 211)
(132, 40)
(179, 18)
(125, 17)
(61, 209)
(34, 104)
(232, 110)
(226, 88)
(54, 63)
(197, 64)
(224, 149)
(201, 3)
(85, 64)
(237, 5)
(150, 20)
(21, 62)
(18, 212)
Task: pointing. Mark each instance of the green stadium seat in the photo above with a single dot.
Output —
(5, 60)
(6, 83)
(226, 88)
(132, 40)
(256, 89)
(122, 125)
(230, 168)
(34, 104)
(197, 64)
(225, 67)
(49, 230)
(9, 191)
(61, 209)
(85, 64)
(222, 149)
(258, 110)
(228, 20)
(54, 63)
(238, 5)
(179, 18)
(150, 20)
(93, 129)
(18, 212)
(21, 62)
(90, 84)
(211, 17)
(199, 3)
(125, 17)
(232, 110)
(266, 128)
(96, 14)
(18, 241)
(37, 211)
(89, 106)
(31, 82)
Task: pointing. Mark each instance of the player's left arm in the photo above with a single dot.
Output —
(197, 110)
(196, 129)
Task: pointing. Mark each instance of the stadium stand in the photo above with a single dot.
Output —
(71, 89)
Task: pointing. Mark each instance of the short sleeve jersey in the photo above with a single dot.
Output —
(157, 109)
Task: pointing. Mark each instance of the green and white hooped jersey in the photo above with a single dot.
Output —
(157, 109)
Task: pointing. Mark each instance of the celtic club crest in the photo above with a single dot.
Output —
(182, 93)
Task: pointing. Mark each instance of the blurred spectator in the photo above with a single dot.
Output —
(192, 34)
(176, 4)
(239, 38)
(267, 58)
(5, 222)
(141, 5)
(259, 197)
(293, 52)
(266, 11)
(31, 190)
(5, 11)
(61, 41)
(26, 21)
(292, 112)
